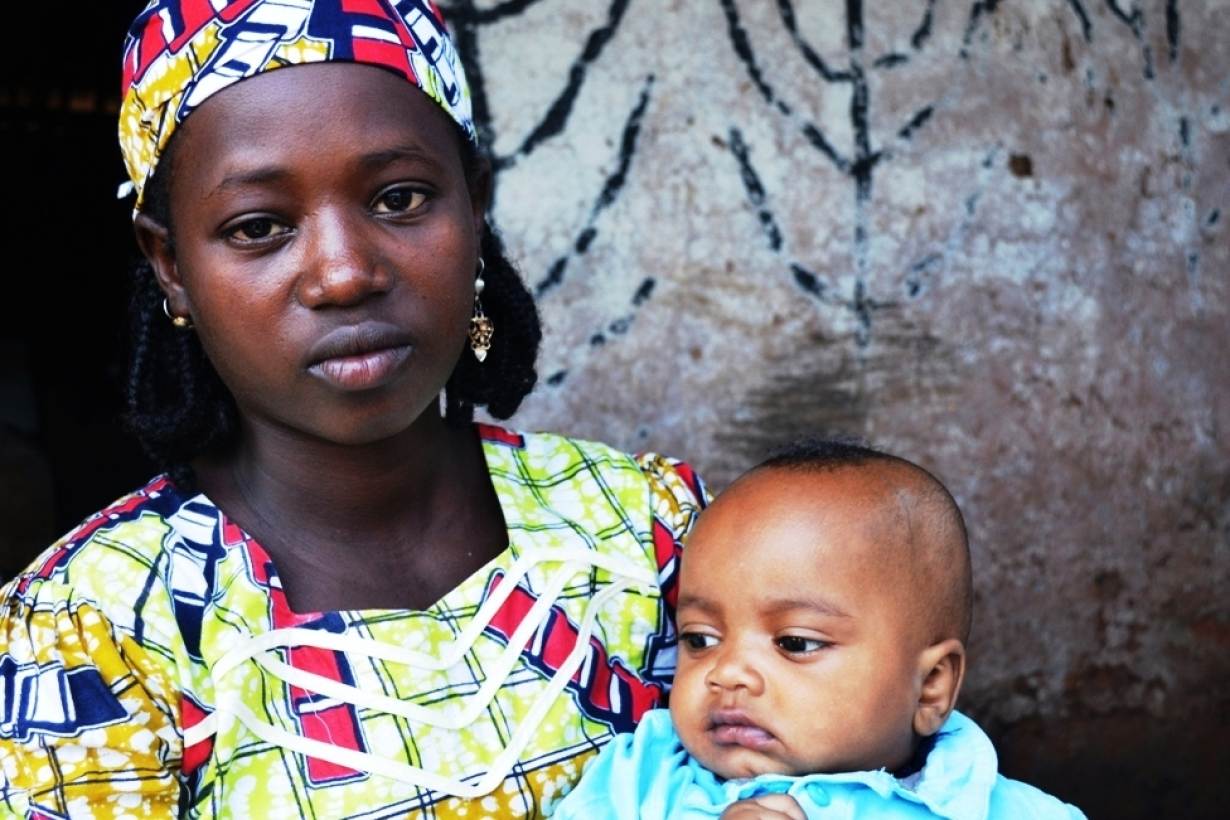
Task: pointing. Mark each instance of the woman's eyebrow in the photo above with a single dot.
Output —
(397, 153)
(256, 176)
(372, 160)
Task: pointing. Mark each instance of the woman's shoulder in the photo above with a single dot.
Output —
(550, 459)
(647, 503)
(544, 450)
(110, 559)
(85, 652)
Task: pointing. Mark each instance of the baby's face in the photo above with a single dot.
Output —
(797, 653)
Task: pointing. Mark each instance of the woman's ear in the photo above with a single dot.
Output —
(479, 183)
(154, 240)
(942, 666)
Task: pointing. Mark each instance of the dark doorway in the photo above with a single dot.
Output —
(63, 452)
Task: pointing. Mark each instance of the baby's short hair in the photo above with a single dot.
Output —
(936, 527)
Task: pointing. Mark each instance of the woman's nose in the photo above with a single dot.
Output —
(733, 670)
(342, 264)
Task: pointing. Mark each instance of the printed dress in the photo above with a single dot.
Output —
(150, 664)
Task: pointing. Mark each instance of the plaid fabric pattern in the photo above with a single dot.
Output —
(108, 641)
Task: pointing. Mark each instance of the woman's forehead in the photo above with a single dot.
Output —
(313, 109)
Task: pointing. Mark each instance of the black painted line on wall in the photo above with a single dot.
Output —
(743, 50)
(864, 308)
(896, 59)
(466, 20)
(621, 325)
(890, 61)
(920, 272)
(644, 291)
(1132, 20)
(810, 282)
(923, 32)
(916, 122)
(867, 159)
(785, 10)
(1135, 21)
(976, 12)
(627, 147)
(820, 142)
(854, 24)
(466, 11)
(755, 190)
(1172, 28)
(918, 39)
(561, 109)
(861, 167)
(1083, 16)
(610, 192)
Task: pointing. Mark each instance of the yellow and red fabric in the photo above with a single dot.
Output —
(150, 664)
(178, 53)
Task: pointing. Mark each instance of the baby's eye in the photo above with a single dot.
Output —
(256, 229)
(698, 640)
(399, 200)
(798, 645)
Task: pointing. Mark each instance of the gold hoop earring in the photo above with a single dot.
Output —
(181, 322)
(481, 327)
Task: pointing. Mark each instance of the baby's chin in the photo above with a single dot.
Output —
(737, 763)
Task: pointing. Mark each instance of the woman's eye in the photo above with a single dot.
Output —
(698, 640)
(796, 645)
(399, 200)
(254, 230)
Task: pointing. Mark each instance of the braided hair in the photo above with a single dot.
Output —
(178, 407)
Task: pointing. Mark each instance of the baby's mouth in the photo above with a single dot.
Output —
(733, 727)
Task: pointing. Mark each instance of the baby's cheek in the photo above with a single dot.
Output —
(685, 706)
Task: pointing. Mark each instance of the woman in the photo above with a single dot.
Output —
(339, 600)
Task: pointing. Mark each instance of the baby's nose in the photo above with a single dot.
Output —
(732, 670)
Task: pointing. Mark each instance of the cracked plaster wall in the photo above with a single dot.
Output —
(990, 236)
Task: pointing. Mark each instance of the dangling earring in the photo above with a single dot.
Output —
(481, 328)
(181, 322)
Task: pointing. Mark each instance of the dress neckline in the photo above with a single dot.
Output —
(235, 536)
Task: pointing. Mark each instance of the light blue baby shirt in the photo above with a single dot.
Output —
(648, 774)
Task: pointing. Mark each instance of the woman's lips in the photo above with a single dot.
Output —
(363, 371)
(732, 728)
(359, 357)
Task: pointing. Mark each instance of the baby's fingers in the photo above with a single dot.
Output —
(768, 807)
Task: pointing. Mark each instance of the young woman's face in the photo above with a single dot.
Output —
(325, 242)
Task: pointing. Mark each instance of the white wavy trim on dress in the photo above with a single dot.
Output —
(259, 649)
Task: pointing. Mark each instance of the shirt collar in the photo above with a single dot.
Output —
(955, 782)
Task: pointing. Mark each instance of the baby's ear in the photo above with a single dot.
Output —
(942, 666)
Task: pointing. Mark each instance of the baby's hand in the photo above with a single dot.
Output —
(767, 807)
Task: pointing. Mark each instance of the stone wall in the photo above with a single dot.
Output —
(990, 236)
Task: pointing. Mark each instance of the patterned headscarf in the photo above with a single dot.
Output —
(180, 52)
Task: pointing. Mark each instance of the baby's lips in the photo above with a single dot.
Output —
(735, 727)
(746, 735)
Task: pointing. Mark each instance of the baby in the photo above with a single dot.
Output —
(825, 602)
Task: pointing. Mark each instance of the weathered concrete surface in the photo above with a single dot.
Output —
(993, 238)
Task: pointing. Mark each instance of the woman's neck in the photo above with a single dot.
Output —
(353, 487)
(395, 523)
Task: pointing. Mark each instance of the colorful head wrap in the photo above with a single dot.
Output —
(178, 53)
